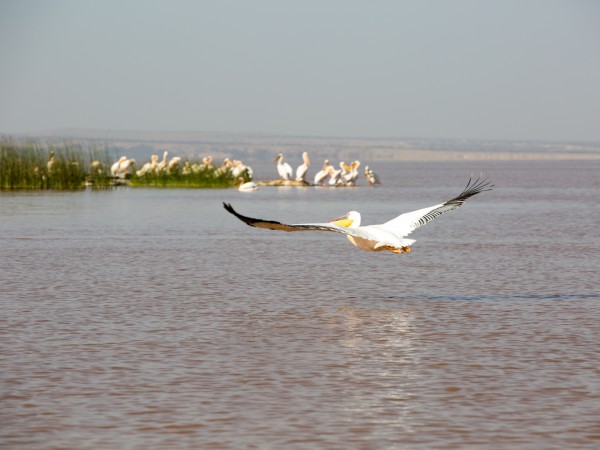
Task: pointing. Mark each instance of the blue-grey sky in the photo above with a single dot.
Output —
(511, 69)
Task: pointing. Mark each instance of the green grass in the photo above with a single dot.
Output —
(206, 178)
(30, 165)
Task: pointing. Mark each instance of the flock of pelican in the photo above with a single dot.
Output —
(155, 167)
(124, 167)
(387, 236)
(329, 175)
(346, 175)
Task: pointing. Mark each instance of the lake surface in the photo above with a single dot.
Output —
(152, 319)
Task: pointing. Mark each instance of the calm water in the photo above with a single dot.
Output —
(135, 318)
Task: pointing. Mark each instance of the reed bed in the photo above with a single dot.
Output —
(65, 166)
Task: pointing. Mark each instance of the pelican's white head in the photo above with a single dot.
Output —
(278, 158)
(350, 220)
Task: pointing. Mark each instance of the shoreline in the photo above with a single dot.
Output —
(443, 156)
(261, 147)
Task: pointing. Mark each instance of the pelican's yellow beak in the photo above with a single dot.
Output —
(342, 221)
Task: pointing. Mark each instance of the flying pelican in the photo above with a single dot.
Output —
(323, 173)
(387, 236)
(283, 169)
(303, 168)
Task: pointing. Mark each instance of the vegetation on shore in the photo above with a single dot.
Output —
(207, 178)
(64, 166)
(32, 165)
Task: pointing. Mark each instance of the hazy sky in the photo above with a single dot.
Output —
(510, 69)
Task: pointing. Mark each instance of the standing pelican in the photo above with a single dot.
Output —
(163, 164)
(387, 236)
(352, 175)
(225, 168)
(303, 168)
(240, 169)
(207, 162)
(125, 167)
(115, 169)
(173, 165)
(149, 166)
(50, 162)
(323, 173)
(283, 169)
(371, 176)
(335, 175)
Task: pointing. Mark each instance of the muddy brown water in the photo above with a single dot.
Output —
(148, 318)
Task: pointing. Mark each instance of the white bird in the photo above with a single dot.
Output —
(335, 175)
(173, 165)
(241, 169)
(125, 167)
(150, 166)
(51, 161)
(225, 168)
(115, 169)
(371, 176)
(97, 167)
(283, 169)
(303, 168)
(387, 236)
(208, 161)
(250, 186)
(163, 164)
(352, 175)
(323, 173)
(238, 168)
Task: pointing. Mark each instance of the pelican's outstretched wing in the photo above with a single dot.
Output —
(405, 223)
(273, 225)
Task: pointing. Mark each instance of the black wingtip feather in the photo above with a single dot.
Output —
(475, 187)
(230, 210)
(261, 223)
